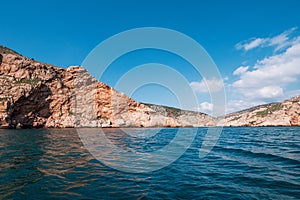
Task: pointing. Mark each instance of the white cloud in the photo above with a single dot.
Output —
(270, 79)
(292, 93)
(279, 42)
(267, 79)
(238, 105)
(282, 40)
(253, 43)
(268, 92)
(241, 70)
(244, 103)
(205, 107)
(205, 85)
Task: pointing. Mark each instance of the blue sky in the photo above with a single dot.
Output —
(255, 44)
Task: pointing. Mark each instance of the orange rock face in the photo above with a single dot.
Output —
(35, 94)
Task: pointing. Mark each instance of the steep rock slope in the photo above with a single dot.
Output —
(35, 94)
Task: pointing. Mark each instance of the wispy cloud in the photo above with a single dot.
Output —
(247, 45)
(241, 70)
(237, 105)
(206, 107)
(268, 79)
(205, 85)
(280, 41)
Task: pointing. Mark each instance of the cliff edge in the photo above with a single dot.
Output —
(36, 94)
(286, 113)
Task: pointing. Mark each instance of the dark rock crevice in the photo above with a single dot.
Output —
(31, 111)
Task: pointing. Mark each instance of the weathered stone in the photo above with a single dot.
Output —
(276, 114)
(35, 94)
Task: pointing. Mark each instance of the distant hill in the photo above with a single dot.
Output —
(286, 113)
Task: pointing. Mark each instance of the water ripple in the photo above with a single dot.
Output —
(246, 163)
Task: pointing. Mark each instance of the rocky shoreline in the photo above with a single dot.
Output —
(286, 113)
(38, 95)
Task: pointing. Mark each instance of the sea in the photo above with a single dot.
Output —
(243, 163)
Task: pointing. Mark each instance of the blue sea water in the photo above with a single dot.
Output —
(246, 163)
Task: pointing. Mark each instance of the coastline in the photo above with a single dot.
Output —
(39, 95)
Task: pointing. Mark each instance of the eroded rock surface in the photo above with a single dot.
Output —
(35, 94)
(286, 113)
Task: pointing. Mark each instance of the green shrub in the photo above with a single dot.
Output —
(29, 81)
(236, 118)
(3, 98)
(270, 110)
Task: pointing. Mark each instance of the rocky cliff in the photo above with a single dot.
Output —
(35, 94)
(286, 113)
